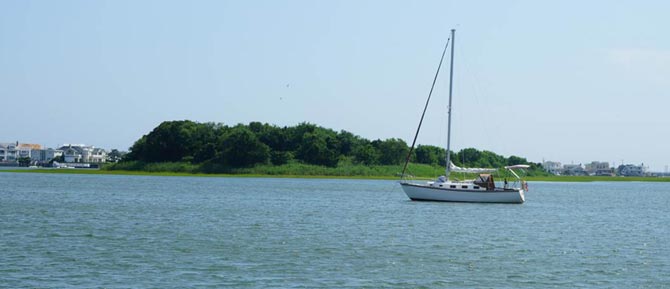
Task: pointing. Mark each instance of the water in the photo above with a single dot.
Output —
(84, 231)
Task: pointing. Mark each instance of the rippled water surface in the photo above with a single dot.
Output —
(84, 231)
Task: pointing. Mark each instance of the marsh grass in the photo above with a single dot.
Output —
(298, 170)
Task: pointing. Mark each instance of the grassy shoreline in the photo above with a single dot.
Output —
(183, 174)
(250, 175)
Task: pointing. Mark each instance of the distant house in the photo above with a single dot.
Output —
(79, 153)
(631, 170)
(554, 168)
(24, 149)
(596, 168)
(11, 152)
(41, 156)
(8, 152)
(574, 170)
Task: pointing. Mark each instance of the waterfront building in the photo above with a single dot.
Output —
(8, 152)
(553, 168)
(631, 170)
(11, 152)
(596, 168)
(24, 149)
(574, 170)
(80, 153)
(42, 156)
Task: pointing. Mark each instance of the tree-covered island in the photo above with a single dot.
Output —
(305, 149)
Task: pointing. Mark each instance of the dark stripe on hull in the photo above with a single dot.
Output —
(480, 202)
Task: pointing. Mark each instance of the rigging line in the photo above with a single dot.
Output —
(404, 168)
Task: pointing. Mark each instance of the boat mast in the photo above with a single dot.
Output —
(409, 154)
(451, 85)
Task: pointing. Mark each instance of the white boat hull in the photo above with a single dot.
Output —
(420, 192)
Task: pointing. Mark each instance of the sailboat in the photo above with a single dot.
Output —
(482, 189)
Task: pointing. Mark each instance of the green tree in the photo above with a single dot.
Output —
(432, 155)
(115, 155)
(218, 147)
(295, 135)
(490, 159)
(24, 161)
(137, 151)
(392, 151)
(206, 138)
(366, 154)
(204, 153)
(279, 158)
(468, 156)
(347, 142)
(471, 157)
(275, 137)
(514, 160)
(240, 147)
(318, 148)
(171, 141)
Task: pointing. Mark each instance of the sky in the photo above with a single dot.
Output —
(567, 81)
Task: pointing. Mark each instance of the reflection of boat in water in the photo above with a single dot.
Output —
(481, 189)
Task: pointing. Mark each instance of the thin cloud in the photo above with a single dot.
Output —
(649, 64)
(640, 58)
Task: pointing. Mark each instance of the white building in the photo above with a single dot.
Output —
(631, 170)
(596, 168)
(44, 155)
(80, 153)
(11, 152)
(24, 149)
(8, 152)
(554, 168)
(574, 170)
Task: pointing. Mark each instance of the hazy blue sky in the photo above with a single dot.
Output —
(570, 81)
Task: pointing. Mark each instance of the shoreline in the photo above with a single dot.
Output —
(175, 174)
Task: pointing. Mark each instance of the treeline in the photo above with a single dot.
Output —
(219, 148)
